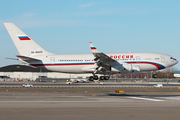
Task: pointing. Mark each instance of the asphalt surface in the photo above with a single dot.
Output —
(65, 105)
(89, 103)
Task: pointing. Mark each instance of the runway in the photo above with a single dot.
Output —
(91, 84)
(88, 103)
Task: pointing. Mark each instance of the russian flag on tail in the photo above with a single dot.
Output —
(93, 48)
(24, 38)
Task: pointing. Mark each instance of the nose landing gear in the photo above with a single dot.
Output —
(154, 75)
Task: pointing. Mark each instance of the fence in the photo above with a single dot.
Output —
(120, 80)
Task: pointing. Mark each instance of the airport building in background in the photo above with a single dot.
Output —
(177, 74)
(23, 72)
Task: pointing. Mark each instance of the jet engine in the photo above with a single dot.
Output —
(124, 67)
(135, 69)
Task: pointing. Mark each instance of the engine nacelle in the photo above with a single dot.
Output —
(121, 67)
(135, 69)
(127, 68)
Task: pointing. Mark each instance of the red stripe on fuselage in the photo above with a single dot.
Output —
(61, 64)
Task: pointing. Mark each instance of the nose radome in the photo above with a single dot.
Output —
(176, 62)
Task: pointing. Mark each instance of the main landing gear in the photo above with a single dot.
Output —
(91, 78)
(104, 77)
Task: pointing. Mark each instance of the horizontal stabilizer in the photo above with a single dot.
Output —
(27, 59)
(12, 58)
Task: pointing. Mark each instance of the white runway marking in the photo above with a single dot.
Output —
(170, 98)
(84, 101)
(47, 101)
(145, 99)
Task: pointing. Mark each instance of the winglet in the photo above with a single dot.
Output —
(93, 48)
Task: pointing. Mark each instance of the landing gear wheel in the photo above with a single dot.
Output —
(95, 77)
(155, 76)
(101, 77)
(106, 77)
(91, 78)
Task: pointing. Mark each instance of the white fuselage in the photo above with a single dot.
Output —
(84, 63)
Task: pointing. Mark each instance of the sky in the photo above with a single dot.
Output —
(114, 26)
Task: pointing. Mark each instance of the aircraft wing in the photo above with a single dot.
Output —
(103, 60)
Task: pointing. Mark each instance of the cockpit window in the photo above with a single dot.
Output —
(172, 58)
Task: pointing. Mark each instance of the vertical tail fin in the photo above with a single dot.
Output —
(25, 45)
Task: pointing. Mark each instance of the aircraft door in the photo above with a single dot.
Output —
(162, 59)
(137, 58)
(52, 60)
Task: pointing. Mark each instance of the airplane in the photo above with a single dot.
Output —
(96, 63)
